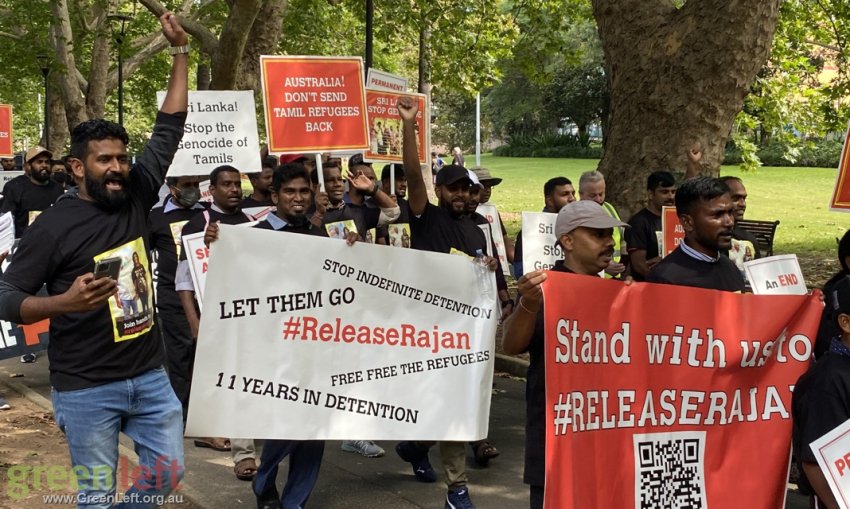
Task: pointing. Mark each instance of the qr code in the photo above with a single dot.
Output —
(670, 470)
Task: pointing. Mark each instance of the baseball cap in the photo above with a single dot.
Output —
(474, 178)
(584, 213)
(485, 178)
(399, 171)
(37, 151)
(292, 158)
(356, 160)
(451, 174)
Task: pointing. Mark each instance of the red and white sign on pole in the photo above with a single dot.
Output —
(672, 231)
(385, 128)
(314, 104)
(6, 148)
(841, 195)
(380, 80)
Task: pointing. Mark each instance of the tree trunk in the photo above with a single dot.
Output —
(100, 60)
(227, 58)
(63, 44)
(676, 77)
(58, 122)
(202, 75)
(262, 40)
(424, 85)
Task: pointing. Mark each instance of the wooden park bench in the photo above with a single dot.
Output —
(763, 231)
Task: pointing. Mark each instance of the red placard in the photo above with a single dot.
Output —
(672, 232)
(6, 148)
(314, 104)
(385, 126)
(841, 194)
(670, 396)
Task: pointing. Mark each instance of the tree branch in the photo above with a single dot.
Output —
(132, 64)
(11, 36)
(207, 40)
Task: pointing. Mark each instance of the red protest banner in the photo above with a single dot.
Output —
(841, 194)
(672, 233)
(688, 407)
(385, 129)
(6, 148)
(314, 104)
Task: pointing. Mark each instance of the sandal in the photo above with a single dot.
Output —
(245, 469)
(484, 452)
(216, 444)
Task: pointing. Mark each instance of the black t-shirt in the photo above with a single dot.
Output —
(112, 342)
(383, 232)
(820, 402)
(26, 200)
(535, 400)
(643, 235)
(199, 223)
(365, 217)
(305, 228)
(165, 228)
(436, 230)
(678, 268)
(250, 203)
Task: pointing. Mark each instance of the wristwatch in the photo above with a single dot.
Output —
(179, 50)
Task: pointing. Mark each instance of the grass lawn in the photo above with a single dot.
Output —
(798, 197)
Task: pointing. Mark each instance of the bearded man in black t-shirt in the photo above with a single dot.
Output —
(443, 228)
(105, 367)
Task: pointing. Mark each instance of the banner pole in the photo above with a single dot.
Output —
(392, 179)
(320, 172)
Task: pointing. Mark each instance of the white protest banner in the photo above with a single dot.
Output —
(221, 128)
(6, 176)
(198, 256)
(258, 213)
(539, 251)
(776, 275)
(489, 211)
(385, 81)
(833, 454)
(355, 342)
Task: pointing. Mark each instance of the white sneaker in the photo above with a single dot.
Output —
(4, 405)
(365, 448)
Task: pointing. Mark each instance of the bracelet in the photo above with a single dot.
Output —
(179, 50)
(526, 309)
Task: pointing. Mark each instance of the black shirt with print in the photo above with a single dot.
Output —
(85, 349)
(438, 231)
(164, 227)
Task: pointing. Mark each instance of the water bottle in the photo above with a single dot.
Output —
(483, 273)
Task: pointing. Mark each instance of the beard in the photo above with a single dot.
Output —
(105, 198)
(40, 176)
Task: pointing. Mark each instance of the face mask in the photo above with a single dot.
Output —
(189, 197)
(61, 178)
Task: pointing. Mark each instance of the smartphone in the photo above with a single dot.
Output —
(109, 267)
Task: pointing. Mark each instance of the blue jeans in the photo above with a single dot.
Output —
(305, 458)
(146, 410)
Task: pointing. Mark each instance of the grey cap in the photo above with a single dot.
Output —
(584, 213)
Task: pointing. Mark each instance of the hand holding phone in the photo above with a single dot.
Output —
(109, 267)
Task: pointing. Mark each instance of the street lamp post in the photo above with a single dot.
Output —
(44, 65)
(119, 26)
(370, 16)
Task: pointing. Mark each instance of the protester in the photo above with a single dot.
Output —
(705, 212)
(488, 182)
(60, 173)
(383, 233)
(8, 163)
(644, 237)
(226, 190)
(557, 192)
(27, 196)
(442, 228)
(744, 244)
(165, 223)
(365, 217)
(261, 196)
(105, 368)
(828, 328)
(457, 157)
(585, 233)
(291, 194)
(591, 186)
(821, 400)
